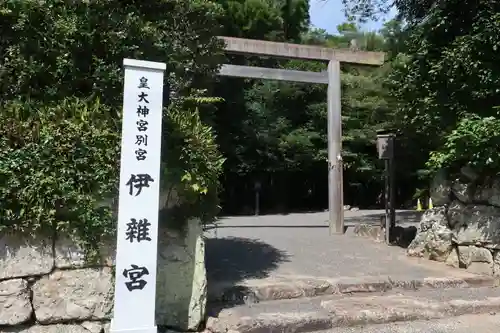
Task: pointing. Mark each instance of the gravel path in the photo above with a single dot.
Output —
(299, 245)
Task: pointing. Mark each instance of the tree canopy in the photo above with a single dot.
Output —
(445, 80)
(438, 89)
(61, 76)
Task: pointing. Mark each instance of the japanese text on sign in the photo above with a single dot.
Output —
(134, 276)
(138, 230)
(142, 124)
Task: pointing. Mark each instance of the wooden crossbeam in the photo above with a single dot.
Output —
(273, 74)
(297, 51)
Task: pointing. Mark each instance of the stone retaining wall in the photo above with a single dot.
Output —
(463, 229)
(46, 285)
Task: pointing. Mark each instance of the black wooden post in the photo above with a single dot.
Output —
(385, 148)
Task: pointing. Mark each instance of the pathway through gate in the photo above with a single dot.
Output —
(331, 77)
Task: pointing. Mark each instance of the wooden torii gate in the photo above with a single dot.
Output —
(330, 77)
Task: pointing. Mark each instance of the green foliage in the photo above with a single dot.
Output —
(54, 48)
(276, 139)
(60, 145)
(265, 19)
(366, 109)
(364, 10)
(474, 142)
(192, 156)
(413, 11)
(446, 84)
(58, 168)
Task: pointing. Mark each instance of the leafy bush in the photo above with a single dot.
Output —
(58, 163)
(474, 142)
(59, 166)
(192, 163)
(61, 81)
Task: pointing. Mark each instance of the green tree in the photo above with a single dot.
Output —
(265, 19)
(279, 135)
(445, 79)
(448, 79)
(364, 10)
(257, 19)
(394, 35)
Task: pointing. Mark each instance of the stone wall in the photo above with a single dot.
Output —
(46, 285)
(463, 229)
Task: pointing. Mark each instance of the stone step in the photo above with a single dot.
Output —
(484, 323)
(290, 288)
(328, 312)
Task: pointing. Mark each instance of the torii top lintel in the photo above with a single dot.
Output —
(298, 51)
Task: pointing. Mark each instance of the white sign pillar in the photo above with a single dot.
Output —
(137, 230)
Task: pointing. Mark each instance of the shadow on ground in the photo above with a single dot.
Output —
(229, 261)
(373, 226)
(403, 236)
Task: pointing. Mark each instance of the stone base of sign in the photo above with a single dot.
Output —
(181, 287)
(47, 286)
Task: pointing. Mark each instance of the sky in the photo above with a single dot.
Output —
(327, 14)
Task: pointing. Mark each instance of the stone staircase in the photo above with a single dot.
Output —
(359, 307)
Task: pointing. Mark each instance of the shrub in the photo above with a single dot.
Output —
(58, 163)
(61, 81)
(474, 142)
